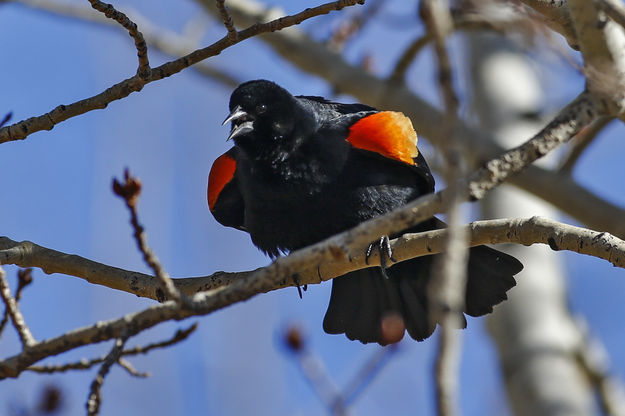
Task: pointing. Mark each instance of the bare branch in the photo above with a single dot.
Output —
(557, 15)
(85, 364)
(129, 192)
(581, 142)
(352, 26)
(109, 11)
(160, 38)
(95, 395)
(404, 248)
(463, 22)
(6, 119)
(24, 278)
(226, 19)
(602, 43)
(127, 365)
(530, 231)
(17, 318)
(368, 372)
(24, 128)
(315, 372)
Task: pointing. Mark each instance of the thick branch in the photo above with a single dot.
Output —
(602, 43)
(24, 128)
(558, 17)
(558, 236)
(404, 248)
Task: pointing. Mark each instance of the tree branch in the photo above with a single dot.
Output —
(24, 128)
(226, 19)
(581, 142)
(95, 395)
(529, 231)
(602, 43)
(160, 38)
(16, 316)
(129, 192)
(109, 11)
(85, 364)
(24, 278)
(557, 15)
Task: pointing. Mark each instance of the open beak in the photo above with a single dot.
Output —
(241, 124)
(236, 114)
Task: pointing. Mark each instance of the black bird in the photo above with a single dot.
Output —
(304, 168)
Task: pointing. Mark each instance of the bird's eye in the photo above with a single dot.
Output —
(261, 108)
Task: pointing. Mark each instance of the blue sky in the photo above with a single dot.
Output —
(56, 192)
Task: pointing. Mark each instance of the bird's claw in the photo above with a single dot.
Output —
(384, 247)
(299, 287)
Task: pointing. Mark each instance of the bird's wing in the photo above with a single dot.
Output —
(389, 134)
(224, 197)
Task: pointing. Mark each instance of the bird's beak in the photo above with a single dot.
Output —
(242, 128)
(235, 115)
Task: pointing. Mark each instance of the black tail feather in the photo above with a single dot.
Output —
(361, 299)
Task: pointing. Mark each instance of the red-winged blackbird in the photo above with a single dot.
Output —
(305, 168)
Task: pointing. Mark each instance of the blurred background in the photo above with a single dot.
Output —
(57, 193)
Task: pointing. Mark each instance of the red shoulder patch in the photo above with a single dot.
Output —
(389, 133)
(221, 173)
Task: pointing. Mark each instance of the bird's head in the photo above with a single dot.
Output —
(262, 111)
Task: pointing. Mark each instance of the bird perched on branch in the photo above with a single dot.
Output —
(304, 168)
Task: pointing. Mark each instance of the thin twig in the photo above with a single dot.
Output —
(413, 49)
(315, 372)
(6, 118)
(374, 365)
(85, 364)
(129, 191)
(143, 71)
(17, 318)
(226, 19)
(581, 142)
(157, 37)
(47, 121)
(348, 29)
(95, 395)
(24, 278)
(127, 365)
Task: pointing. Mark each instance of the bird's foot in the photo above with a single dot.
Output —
(384, 247)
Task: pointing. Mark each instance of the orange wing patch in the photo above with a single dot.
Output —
(221, 173)
(389, 133)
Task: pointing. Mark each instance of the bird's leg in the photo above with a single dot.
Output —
(384, 247)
